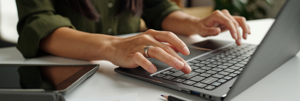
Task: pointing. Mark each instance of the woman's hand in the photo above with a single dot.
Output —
(129, 52)
(220, 21)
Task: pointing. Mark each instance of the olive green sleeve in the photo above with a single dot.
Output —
(37, 19)
(155, 11)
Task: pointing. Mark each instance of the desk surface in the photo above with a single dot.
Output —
(281, 85)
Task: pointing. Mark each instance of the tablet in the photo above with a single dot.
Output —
(44, 78)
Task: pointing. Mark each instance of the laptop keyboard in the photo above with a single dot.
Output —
(212, 72)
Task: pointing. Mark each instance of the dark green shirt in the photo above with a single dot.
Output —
(39, 18)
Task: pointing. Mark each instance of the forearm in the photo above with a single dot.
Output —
(180, 23)
(67, 42)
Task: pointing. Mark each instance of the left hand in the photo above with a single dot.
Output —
(220, 21)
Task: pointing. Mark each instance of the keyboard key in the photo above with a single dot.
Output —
(209, 80)
(217, 69)
(200, 85)
(210, 60)
(194, 61)
(177, 74)
(199, 64)
(206, 68)
(227, 64)
(209, 87)
(218, 76)
(205, 75)
(173, 70)
(228, 70)
(205, 62)
(223, 73)
(237, 59)
(232, 75)
(224, 61)
(179, 80)
(217, 63)
(168, 77)
(194, 67)
(216, 84)
(188, 82)
(223, 66)
(243, 62)
(237, 72)
(239, 65)
(167, 72)
(159, 75)
(187, 76)
(227, 77)
(197, 78)
(232, 61)
(241, 57)
(234, 67)
(211, 72)
(222, 80)
(190, 63)
(211, 65)
(200, 70)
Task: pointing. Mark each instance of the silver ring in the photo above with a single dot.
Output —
(146, 51)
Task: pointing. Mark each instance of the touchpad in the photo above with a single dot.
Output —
(209, 44)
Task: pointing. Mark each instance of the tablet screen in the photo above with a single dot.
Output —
(45, 77)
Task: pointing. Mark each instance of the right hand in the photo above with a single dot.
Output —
(129, 52)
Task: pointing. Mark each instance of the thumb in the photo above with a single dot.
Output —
(210, 31)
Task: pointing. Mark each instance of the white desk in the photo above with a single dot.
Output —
(274, 87)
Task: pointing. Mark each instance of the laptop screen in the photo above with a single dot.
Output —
(279, 45)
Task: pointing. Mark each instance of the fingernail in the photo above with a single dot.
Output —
(246, 35)
(152, 69)
(179, 64)
(240, 41)
(186, 50)
(187, 68)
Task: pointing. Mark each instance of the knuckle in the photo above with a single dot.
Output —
(136, 55)
(169, 34)
(243, 19)
(145, 38)
(149, 31)
(216, 12)
(226, 20)
(225, 11)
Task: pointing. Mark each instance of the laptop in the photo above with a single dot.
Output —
(221, 70)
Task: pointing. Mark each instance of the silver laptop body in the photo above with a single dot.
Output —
(280, 44)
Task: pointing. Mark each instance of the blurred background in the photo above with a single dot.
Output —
(251, 9)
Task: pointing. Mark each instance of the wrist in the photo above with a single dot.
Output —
(194, 24)
(109, 50)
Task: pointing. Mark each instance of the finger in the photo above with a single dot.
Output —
(242, 22)
(224, 20)
(172, 47)
(186, 69)
(249, 29)
(210, 31)
(160, 54)
(144, 63)
(238, 35)
(171, 38)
